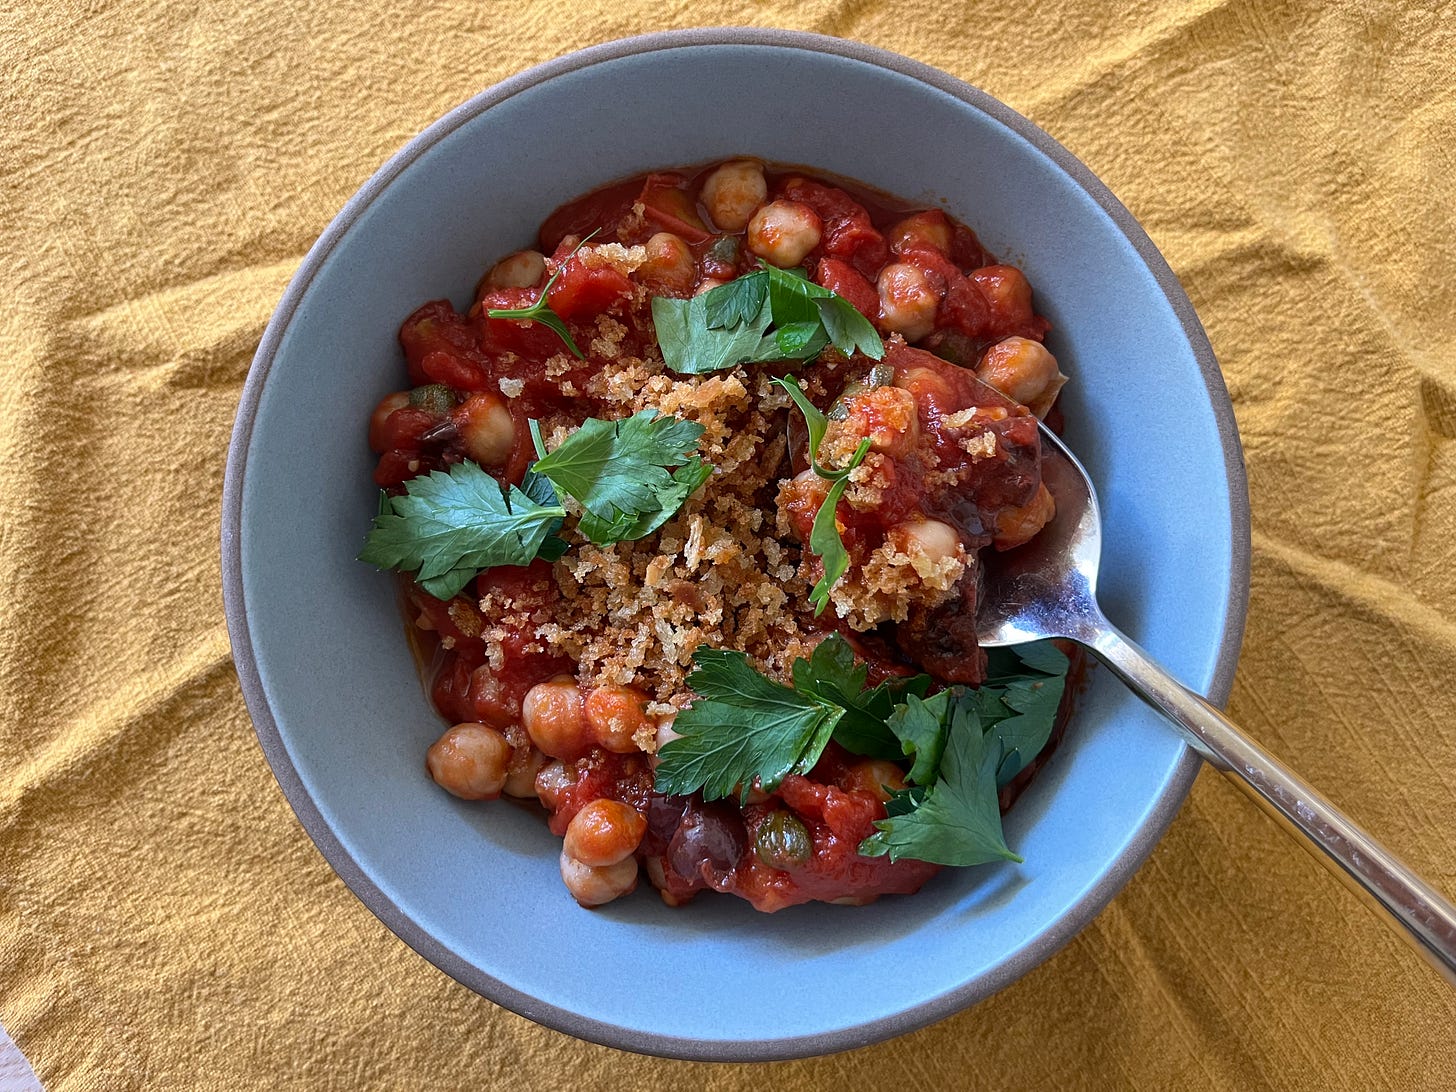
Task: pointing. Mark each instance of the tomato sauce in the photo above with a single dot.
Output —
(483, 648)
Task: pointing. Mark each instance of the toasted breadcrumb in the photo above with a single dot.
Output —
(722, 572)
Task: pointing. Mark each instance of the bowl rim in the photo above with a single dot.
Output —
(1078, 915)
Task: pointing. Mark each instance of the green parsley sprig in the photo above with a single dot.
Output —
(541, 312)
(962, 744)
(824, 538)
(957, 820)
(743, 728)
(767, 315)
(448, 527)
(630, 476)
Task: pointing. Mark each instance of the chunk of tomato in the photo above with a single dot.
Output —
(843, 279)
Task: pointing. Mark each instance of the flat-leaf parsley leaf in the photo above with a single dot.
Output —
(824, 538)
(447, 527)
(541, 312)
(743, 727)
(957, 821)
(769, 314)
(622, 472)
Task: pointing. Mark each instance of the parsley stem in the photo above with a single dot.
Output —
(541, 312)
(536, 441)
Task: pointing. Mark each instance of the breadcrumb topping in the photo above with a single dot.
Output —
(725, 571)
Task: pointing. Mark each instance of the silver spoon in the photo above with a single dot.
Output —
(1048, 587)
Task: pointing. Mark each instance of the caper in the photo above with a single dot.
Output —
(954, 347)
(724, 249)
(435, 397)
(783, 841)
(881, 375)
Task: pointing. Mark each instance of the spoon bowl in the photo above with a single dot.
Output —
(1048, 588)
(1049, 583)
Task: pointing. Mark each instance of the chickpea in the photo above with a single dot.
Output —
(665, 735)
(387, 405)
(936, 540)
(490, 700)
(784, 232)
(1023, 370)
(523, 269)
(470, 761)
(1015, 526)
(928, 230)
(707, 284)
(552, 781)
(670, 266)
(887, 415)
(665, 732)
(593, 886)
(485, 428)
(604, 832)
(616, 714)
(525, 766)
(799, 501)
(1007, 292)
(555, 719)
(908, 301)
(733, 192)
(925, 384)
(876, 777)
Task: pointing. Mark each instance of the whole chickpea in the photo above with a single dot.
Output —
(733, 192)
(876, 777)
(908, 301)
(523, 269)
(935, 539)
(521, 776)
(707, 284)
(595, 885)
(485, 428)
(470, 761)
(926, 384)
(1022, 370)
(616, 714)
(783, 233)
(670, 266)
(387, 405)
(554, 717)
(930, 230)
(604, 832)
(1015, 526)
(552, 781)
(887, 415)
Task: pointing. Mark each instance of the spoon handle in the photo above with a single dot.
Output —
(1416, 910)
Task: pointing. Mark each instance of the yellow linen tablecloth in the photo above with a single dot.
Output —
(164, 921)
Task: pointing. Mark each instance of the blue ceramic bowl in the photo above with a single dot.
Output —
(320, 647)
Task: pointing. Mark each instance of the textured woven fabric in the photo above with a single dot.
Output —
(165, 922)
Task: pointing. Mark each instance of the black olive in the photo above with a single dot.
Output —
(708, 844)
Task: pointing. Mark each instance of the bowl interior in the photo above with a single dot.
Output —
(320, 644)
